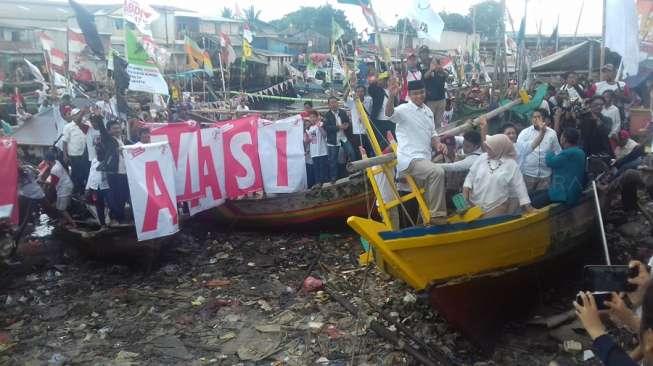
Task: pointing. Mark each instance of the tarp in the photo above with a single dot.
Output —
(574, 58)
(43, 129)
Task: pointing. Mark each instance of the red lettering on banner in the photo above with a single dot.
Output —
(282, 158)
(156, 202)
(208, 174)
(241, 159)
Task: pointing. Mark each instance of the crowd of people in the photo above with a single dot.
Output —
(85, 164)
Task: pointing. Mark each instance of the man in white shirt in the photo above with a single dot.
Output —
(412, 71)
(359, 133)
(533, 143)
(611, 111)
(107, 108)
(416, 139)
(74, 150)
(572, 88)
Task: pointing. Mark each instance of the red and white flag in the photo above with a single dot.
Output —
(9, 174)
(46, 42)
(151, 177)
(57, 57)
(76, 42)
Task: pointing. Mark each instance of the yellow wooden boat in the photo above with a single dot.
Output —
(473, 270)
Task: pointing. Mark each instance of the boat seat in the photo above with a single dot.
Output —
(442, 229)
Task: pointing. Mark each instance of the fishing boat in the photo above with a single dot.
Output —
(476, 272)
(317, 206)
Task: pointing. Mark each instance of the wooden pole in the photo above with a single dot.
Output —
(580, 14)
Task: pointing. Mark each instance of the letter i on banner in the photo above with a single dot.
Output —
(281, 147)
(151, 177)
(211, 165)
(9, 174)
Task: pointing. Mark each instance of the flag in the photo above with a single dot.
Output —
(160, 55)
(46, 42)
(554, 35)
(247, 49)
(9, 173)
(227, 53)
(140, 14)
(121, 78)
(143, 74)
(369, 15)
(57, 57)
(194, 52)
(76, 42)
(208, 65)
(426, 21)
(35, 71)
(622, 33)
(247, 33)
(237, 13)
(86, 23)
(336, 31)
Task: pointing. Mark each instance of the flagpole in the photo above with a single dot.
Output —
(557, 32)
(376, 29)
(580, 14)
(602, 60)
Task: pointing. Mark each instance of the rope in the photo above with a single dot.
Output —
(276, 97)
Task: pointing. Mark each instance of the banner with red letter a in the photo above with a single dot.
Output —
(281, 149)
(151, 176)
(9, 174)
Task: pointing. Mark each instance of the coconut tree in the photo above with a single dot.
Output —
(251, 14)
(227, 13)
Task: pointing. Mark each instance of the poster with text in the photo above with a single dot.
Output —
(281, 149)
(241, 157)
(151, 177)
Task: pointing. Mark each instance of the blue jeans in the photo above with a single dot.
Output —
(333, 152)
(321, 168)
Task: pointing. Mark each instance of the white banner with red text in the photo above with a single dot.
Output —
(151, 177)
(9, 174)
(283, 139)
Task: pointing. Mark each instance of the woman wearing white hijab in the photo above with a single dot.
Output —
(494, 176)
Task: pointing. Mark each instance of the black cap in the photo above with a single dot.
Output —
(415, 85)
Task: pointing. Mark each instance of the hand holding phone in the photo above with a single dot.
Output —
(609, 278)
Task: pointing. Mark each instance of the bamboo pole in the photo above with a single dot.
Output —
(602, 60)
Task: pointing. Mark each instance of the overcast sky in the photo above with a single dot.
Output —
(544, 11)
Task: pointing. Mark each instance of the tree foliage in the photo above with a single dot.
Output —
(317, 19)
(251, 14)
(488, 18)
(457, 22)
(227, 13)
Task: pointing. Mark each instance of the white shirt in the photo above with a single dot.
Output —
(121, 160)
(63, 183)
(356, 122)
(464, 164)
(413, 75)
(97, 180)
(603, 86)
(490, 189)
(571, 91)
(241, 108)
(340, 135)
(382, 116)
(620, 152)
(92, 140)
(107, 109)
(612, 112)
(415, 129)
(75, 138)
(318, 145)
(532, 162)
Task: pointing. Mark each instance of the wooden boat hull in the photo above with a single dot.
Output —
(316, 206)
(473, 274)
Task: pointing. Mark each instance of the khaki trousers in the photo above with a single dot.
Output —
(437, 107)
(430, 177)
(536, 184)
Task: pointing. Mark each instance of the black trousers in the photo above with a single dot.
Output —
(118, 195)
(79, 166)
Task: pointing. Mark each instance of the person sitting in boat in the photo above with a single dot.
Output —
(533, 144)
(567, 173)
(470, 143)
(494, 177)
(57, 175)
(416, 139)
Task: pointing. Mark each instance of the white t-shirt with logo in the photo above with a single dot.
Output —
(318, 145)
